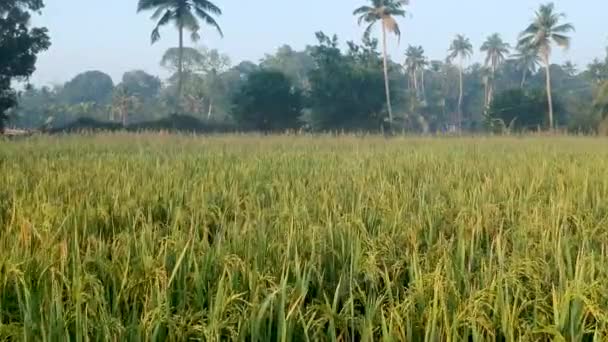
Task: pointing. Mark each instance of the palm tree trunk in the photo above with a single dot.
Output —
(210, 109)
(386, 84)
(460, 96)
(422, 85)
(180, 75)
(549, 95)
(485, 93)
(416, 83)
(491, 89)
(523, 79)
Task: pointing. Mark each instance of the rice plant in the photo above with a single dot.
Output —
(122, 237)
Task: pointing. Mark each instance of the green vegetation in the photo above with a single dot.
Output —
(136, 237)
(19, 46)
(267, 102)
(185, 14)
(338, 87)
(384, 12)
(545, 30)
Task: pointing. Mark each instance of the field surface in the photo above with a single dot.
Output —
(175, 238)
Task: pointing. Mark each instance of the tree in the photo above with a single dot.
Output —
(346, 90)
(182, 61)
(185, 14)
(601, 100)
(545, 30)
(33, 108)
(415, 62)
(294, 64)
(527, 60)
(141, 84)
(383, 11)
(597, 71)
(122, 104)
(461, 47)
(90, 86)
(570, 68)
(19, 46)
(267, 102)
(517, 109)
(496, 50)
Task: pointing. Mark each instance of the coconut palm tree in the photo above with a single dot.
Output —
(185, 14)
(122, 104)
(415, 62)
(527, 61)
(385, 12)
(570, 68)
(496, 50)
(461, 47)
(597, 71)
(546, 29)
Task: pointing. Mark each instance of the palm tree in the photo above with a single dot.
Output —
(527, 61)
(415, 62)
(544, 30)
(122, 104)
(570, 68)
(597, 71)
(185, 14)
(383, 11)
(461, 47)
(496, 50)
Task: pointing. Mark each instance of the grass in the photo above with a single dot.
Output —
(151, 237)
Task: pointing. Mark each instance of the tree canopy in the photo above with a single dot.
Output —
(90, 86)
(267, 101)
(19, 46)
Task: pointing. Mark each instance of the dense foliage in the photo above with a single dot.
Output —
(341, 89)
(90, 86)
(344, 89)
(267, 102)
(19, 46)
(519, 110)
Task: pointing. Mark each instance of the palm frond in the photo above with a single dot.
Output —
(207, 6)
(564, 28)
(164, 20)
(144, 5)
(368, 30)
(363, 10)
(209, 20)
(561, 40)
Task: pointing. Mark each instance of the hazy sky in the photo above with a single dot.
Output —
(109, 35)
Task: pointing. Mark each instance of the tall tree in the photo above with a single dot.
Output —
(496, 50)
(597, 71)
(185, 14)
(527, 61)
(461, 47)
(415, 62)
(600, 102)
(546, 29)
(141, 84)
(19, 46)
(122, 104)
(89, 86)
(385, 12)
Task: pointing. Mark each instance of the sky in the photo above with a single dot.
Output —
(108, 35)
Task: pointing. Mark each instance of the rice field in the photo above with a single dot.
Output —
(173, 238)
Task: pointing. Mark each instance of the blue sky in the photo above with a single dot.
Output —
(109, 35)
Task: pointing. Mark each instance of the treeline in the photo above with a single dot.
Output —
(324, 87)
